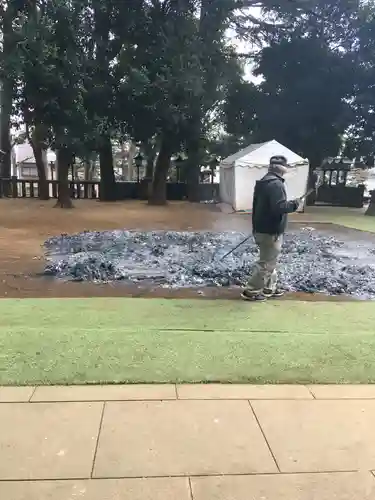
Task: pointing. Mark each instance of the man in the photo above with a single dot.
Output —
(270, 209)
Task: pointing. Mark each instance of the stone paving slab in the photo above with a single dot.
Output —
(342, 486)
(242, 391)
(211, 430)
(16, 394)
(319, 436)
(47, 441)
(343, 391)
(126, 489)
(104, 393)
(173, 438)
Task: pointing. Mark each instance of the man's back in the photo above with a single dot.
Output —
(270, 205)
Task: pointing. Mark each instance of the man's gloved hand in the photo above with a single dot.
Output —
(296, 203)
(292, 206)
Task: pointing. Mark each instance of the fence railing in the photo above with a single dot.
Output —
(29, 188)
(90, 190)
(335, 191)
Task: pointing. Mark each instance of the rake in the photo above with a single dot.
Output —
(301, 198)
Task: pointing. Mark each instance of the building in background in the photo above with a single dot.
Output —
(24, 166)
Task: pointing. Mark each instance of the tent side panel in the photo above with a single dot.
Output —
(246, 178)
(227, 194)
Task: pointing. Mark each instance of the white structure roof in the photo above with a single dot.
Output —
(243, 152)
(258, 155)
(23, 153)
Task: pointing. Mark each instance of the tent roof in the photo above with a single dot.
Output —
(243, 152)
(260, 154)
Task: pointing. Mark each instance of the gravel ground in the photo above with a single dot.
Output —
(311, 261)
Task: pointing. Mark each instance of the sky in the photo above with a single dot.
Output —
(245, 47)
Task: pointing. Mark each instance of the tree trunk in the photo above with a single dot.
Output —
(87, 175)
(158, 195)
(192, 171)
(64, 160)
(88, 169)
(150, 168)
(192, 168)
(149, 150)
(371, 208)
(123, 161)
(131, 155)
(6, 96)
(102, 13)
(211, 26)
(107, 175)
(7, 88)
(39, 155)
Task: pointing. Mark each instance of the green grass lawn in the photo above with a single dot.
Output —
(360, 222)
(347, 217)
(72, 341)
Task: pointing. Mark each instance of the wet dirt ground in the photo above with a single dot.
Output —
(26, 224)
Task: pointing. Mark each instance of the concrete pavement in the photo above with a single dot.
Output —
(203, 442)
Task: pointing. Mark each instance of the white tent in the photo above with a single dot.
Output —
(239, 173)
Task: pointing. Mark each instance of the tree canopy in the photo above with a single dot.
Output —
(81, 74)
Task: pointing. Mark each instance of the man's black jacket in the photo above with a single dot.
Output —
(270, 205)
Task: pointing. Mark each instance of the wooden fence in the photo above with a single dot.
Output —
(25, 188)
(335, 191)
(90, 190)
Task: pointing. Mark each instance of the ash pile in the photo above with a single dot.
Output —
(311, 261)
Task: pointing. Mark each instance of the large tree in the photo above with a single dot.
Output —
(161, 81)
(113, 29)
(360, 139)
(158, 71)
(10, 10)
(308, 72)
(217, 63)
(303, 97)
(282, 17)
(51, 69)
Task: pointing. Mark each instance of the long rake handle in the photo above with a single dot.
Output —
(235, 248)
(306, 194)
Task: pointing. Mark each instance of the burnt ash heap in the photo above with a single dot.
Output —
(310, 262)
